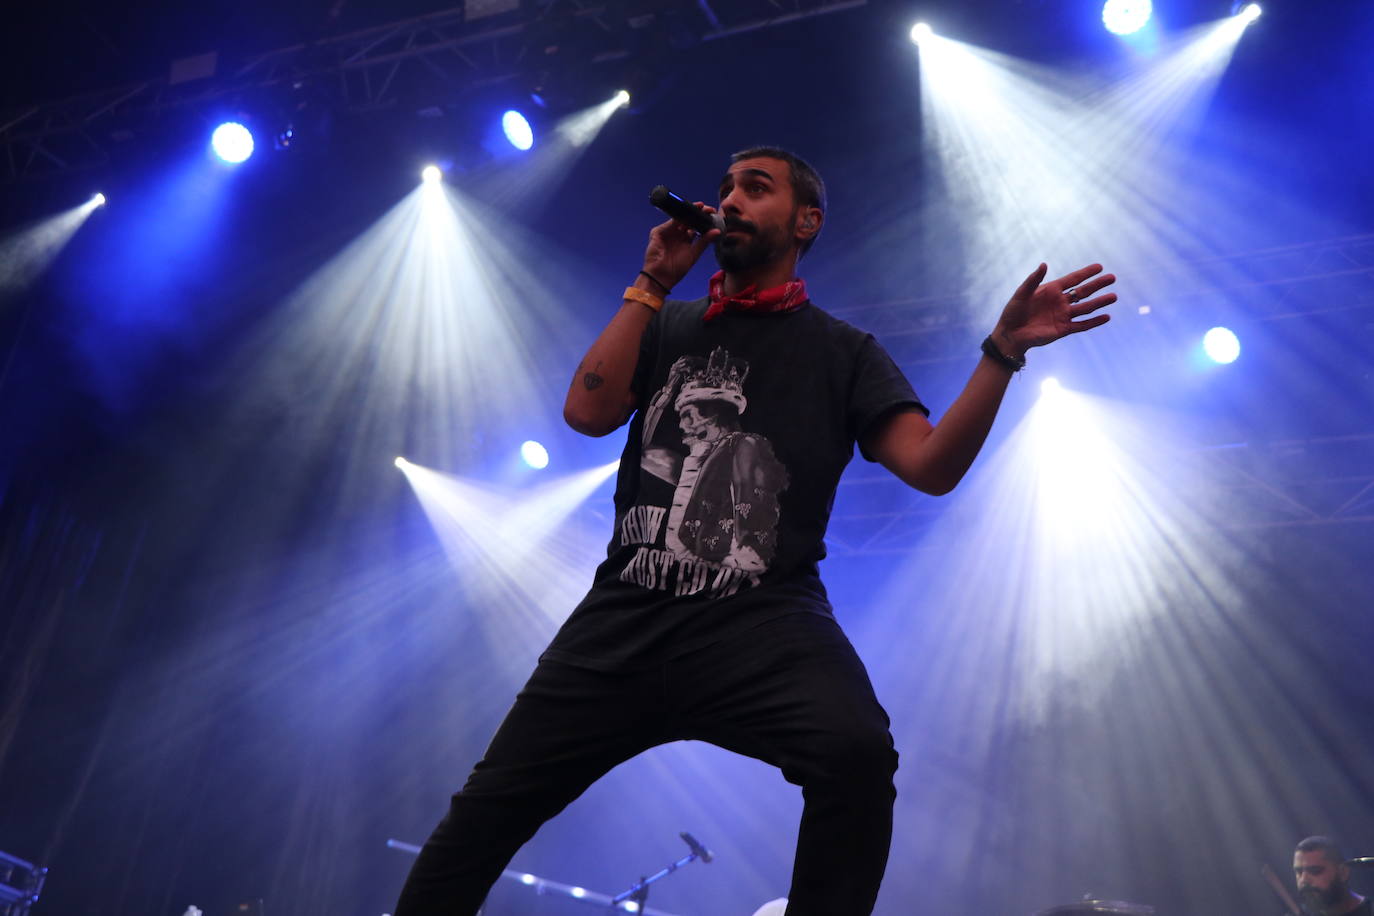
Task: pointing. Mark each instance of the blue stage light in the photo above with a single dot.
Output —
(535, 455)
(1221, 345)
(1122, 17)
(1250, 12)
(517, 130)
(232, 142)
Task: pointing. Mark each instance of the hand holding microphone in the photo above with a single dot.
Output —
(702, 220)
(676, 245)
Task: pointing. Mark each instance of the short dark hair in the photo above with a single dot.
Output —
(1324, 844)
(807, 187)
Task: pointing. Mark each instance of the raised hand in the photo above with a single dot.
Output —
(1041, 312)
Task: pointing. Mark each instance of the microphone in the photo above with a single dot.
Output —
(698, 850)
(685, 213)
(1362, 862)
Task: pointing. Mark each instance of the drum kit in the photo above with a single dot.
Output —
(633, 900)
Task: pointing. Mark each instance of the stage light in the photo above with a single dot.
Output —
(535, 455)
(527, 879)
(431, 174)
(232, 142)
(401, 463)
(630, 906)
(622, 98)
(1250, 13)
(517, 130)
(578, 892)
(1221, 345)
(1123, 17)
(1051, 386)
(98, 200)
(921, 31)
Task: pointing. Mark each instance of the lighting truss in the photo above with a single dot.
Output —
(1320, 481)
(418, 62)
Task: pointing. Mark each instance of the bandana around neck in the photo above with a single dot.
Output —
(782, 298)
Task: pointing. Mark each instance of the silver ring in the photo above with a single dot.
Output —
(1072, 294)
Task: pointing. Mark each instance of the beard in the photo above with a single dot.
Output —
(1318, 900)
(754, 247)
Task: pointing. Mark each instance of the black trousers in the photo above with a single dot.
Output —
(790, 692)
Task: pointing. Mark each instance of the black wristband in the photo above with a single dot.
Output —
(657, 282)
(997, 356)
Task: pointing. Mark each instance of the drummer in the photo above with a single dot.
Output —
(1323, 880)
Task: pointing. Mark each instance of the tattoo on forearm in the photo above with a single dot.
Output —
(590, 380)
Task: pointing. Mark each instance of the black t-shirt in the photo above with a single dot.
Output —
(727, 479)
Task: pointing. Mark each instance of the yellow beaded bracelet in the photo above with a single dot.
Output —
(640, 295)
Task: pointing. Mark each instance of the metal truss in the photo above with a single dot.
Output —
(1302, 482)
(560, 47)
(1328, 277)
(1295, 483)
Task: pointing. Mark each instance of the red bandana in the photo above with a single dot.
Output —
(778, 299)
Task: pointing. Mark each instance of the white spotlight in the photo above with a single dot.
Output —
(1221, 345)
(578, 892)
(920, 32)
(401, 463)
(517, 129)
(527, 879)
(98, 200)
(1051, 386)
(431, 174)
(1123, 17)
(232, 142)
(622, 98)
(535, 455)
(1250, 13)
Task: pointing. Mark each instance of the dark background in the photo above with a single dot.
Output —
(234, 659)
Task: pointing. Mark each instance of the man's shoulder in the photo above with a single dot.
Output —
(837, 325)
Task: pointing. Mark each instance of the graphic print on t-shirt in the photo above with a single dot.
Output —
(719, 529)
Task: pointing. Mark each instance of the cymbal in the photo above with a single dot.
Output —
(1099, 908)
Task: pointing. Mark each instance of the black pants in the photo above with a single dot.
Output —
(791, 692)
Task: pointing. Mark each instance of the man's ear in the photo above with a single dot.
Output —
(809, 222)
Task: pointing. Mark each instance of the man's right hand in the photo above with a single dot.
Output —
(674, 248)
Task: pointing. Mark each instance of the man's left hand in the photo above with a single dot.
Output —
(1041, 311)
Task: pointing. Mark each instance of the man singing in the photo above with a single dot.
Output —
(708, 619)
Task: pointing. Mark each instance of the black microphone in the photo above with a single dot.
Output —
(698, 850)
(685, 213)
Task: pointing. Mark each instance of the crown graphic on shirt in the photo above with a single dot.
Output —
(719, 378)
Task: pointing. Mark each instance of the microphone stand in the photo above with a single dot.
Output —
(639, 892)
